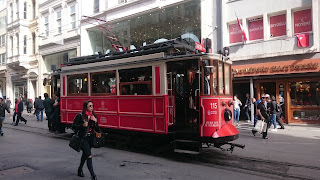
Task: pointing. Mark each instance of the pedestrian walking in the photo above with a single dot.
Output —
(39, 108)
(85, 124)
(48, 107)
(247, 107)
(29, 106)
(263, 115)
(279, 112)
(236, 106)
(14, 112)
(54, 118)
(254, 102)
(3, 108)
(19, 110)
(273, 113)
(8, 102)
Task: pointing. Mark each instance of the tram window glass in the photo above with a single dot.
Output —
(137, 81)
(103, 83)
(221, 84)
(305, 93)
(209, 77)
(78, 84)
(227, 78)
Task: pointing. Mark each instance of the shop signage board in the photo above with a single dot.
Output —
(256, 29)
(235, 33)
(284, 67)
(278, 25)
(302, 21)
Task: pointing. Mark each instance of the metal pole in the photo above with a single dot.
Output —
(251, 96)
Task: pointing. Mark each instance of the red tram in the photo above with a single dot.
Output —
(165, 89)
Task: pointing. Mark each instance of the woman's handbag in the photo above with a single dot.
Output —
(76, 142)
(98, 140)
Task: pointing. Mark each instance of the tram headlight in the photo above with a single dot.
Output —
(227, 114)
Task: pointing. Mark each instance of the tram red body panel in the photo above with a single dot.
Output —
(213, 117)
(139, 113)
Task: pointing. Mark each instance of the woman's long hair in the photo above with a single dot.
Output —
(84, 109)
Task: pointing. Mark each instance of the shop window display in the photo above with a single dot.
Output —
(305, 94)
(157, 26)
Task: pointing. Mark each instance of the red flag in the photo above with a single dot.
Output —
(303, 40)
(243, 33)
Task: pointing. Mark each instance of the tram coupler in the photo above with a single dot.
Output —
(232, 146)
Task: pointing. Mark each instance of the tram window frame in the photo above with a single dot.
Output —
(221, 82)
(130, 84)
(227, 66)
(213, 70)
(103, 93)
(85, 76)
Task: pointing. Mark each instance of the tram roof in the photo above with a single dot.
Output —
(172, 49)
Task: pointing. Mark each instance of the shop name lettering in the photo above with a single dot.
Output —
(276, 69)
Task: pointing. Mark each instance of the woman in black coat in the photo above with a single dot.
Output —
(85, 124)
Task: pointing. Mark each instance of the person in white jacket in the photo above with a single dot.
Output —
(236, 106)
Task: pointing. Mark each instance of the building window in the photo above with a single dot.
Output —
(11, 8)
(33, 9)
(255, 29)
(17, 6)
(3, 59)
(278, 25)
(73, 17)
(3, 22)
(11, 38)
(46, 25)
(33, 43)
(302, 21)
(17, 36)
(25, 45)
(122, 1)
(25, 10)
(3, 40)
(59, 22)
(96, 6)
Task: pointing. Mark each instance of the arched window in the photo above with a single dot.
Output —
(25, 45)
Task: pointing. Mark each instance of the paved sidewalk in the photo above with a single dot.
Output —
(31, 121)
(295, 130)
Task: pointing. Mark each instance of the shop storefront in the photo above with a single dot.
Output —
(183, 20)
(294, 83)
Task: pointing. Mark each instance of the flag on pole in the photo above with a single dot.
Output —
(243, 32)
(302, 40)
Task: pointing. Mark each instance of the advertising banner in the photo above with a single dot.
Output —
(278, 25)
(235, 33)
(256, 29)
(302, 21)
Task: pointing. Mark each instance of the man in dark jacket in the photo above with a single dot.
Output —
(3, 108)
(18, 110)
(48, 106)
(39, 108)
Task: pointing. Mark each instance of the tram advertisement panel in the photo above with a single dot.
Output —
(210, 116)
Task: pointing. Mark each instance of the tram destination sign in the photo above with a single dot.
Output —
(276, 68)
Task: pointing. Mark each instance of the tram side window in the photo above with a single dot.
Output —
(137, 81)
(209, 77)
(104, 83)
(78, 84)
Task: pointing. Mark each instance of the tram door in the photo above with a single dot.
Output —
(183, 85)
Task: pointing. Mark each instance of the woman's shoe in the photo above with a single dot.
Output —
(94, 177)
(80, 173)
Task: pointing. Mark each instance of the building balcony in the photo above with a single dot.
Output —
(18, 62)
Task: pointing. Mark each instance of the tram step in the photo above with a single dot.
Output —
(184, 146)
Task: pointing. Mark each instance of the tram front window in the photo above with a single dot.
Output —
(209, 77)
